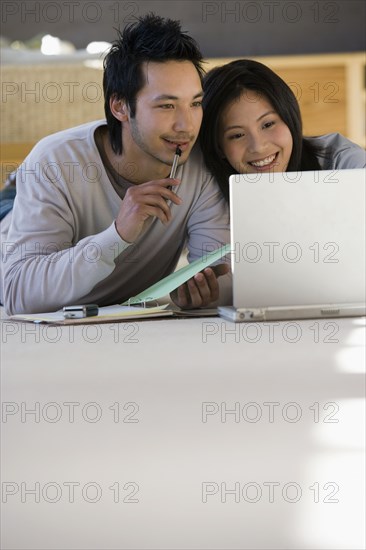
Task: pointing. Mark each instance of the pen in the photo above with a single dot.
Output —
(177, 155)
(173, 170)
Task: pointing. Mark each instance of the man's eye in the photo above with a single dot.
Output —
(167, 106)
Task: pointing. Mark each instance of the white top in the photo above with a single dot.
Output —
(62, 246)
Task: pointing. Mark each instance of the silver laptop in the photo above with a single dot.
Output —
(298, 245)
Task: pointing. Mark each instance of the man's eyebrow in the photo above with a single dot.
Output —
(173, 97)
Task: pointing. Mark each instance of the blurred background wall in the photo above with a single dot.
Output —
(223, 28)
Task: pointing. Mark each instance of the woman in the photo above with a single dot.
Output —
(252, 124)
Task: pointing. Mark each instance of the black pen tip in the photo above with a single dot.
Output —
(178, 151)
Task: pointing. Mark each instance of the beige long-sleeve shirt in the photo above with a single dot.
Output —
(60, 245)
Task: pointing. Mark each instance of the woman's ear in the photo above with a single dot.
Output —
(119, 109)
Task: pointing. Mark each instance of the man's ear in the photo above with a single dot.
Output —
(119, 109)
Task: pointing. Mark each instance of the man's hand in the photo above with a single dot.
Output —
(142, 202)
(201, 290)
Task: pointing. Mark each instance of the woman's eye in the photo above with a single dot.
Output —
(197, 104)
(167, 106)
(236, 136)
(268, 124)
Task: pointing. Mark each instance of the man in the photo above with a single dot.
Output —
(96, 217)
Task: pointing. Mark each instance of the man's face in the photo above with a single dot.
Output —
(168, 113)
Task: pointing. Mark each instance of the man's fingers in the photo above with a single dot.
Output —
(144, 193)
(207, 285)
(183, 298)
(158, 186)
(157, 206)
(220, 269)
(202, 289)
(171, 182)
(146, 200)
(198, 291)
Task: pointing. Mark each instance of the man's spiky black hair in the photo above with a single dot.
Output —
(150, 38)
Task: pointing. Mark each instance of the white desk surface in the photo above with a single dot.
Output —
(129, 450)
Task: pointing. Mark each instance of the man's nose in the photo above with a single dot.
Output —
(184, 121)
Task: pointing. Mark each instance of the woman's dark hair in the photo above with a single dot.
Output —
(225, 84)
(150, 38)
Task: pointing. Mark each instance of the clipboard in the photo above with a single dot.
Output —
(136, 307)
(174, 280)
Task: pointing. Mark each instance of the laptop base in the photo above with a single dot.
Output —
(254, 315)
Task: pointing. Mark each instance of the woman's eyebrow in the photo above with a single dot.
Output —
(271, 112)
(258, 119)
(233, 127)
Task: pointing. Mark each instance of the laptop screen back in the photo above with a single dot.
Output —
(298, 238)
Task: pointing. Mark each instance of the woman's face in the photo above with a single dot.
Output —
(253, 138)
